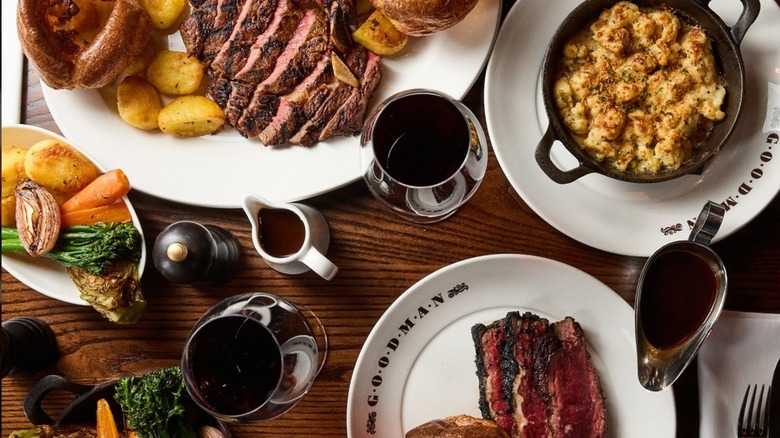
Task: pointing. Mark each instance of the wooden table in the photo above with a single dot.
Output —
(379, 256)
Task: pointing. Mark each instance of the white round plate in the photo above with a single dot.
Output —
(216, 171)
(41, 273)
(619, 217)
(418, 361)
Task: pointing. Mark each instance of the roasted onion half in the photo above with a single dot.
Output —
(82, 52)
(37, 217)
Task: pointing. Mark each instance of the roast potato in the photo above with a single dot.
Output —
(190, 116)
(379, 35)
(164, 13)
(138, 102)
(59, 168)
(175, 73)
(13, 172)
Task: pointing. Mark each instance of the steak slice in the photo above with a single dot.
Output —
(259, 58)
(209, 26)
(253, 19)
(523, 335)
(356, 59)
(489, 342)
(219, 90)
(299, 105)
(304, 50)
(576, 397)
(349, 117)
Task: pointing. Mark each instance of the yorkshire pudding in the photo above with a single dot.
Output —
(458, 426)
(67, 58)
(424, 17)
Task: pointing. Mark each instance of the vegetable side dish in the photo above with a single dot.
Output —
(639, 88)
(57, 204)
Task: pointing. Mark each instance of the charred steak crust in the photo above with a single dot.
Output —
(262, 56)
(544, 383)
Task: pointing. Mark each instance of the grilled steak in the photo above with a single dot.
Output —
(490, 342)
(543, 383)
(269, 66)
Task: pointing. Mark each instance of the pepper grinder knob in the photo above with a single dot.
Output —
(28, 344)
(187, 252)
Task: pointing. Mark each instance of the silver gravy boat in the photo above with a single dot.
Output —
(675, 310)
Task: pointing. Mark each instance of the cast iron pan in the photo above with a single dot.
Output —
(82, 410)
(725, 44)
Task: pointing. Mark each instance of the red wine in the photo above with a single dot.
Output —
(421, 140)
(677, 295)
(236, 364)
(281, 231)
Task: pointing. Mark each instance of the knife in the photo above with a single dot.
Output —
(774, 405)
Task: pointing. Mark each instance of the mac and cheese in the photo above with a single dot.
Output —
(639, 88)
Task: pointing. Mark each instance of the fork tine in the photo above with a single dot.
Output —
(764, 425)
(741, 426)
(757, 422)
(751, 425)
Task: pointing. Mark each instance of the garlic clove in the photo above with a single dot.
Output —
(209, 432)
(37, 217)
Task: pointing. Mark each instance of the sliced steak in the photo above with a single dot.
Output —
(307, 46)
(349, 117)
(309, 134)
(577, 401)
(489, 342)
(260, 57)
(299, 105)
(241, 94)
(265, 61)
(523, 334)
(219, 90)
(549, 386)
(209, 26)
(254, 18)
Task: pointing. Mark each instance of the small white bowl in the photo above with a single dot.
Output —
(43, 274)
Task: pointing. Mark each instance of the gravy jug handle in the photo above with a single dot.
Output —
(708, 223)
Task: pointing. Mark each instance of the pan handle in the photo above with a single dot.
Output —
(746, 19)
(39, 391)
(542, 155)
(750, 10)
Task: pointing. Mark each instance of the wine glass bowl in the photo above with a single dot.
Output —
(423, 154)
(252, 357)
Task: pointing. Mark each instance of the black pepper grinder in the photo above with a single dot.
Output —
(187, 252)
(28, 345)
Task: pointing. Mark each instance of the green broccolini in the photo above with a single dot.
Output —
(154, 404)
(91, 247)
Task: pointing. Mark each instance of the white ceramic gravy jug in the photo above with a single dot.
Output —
(292, 238)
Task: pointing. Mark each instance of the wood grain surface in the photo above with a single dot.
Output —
(379, 256)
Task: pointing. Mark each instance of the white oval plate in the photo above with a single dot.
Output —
(418, 361)
(43, 274)
(619, 217)
(216, 171)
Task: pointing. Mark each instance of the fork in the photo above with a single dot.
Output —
(748, 424)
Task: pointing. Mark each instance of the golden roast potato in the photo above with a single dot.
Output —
(138, 102)
(191, 116)
(175, 73)
(164, 13)
(59, 168)
(13, 172)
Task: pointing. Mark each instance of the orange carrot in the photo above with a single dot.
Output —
(106, 426)
(116, 212)
(105, 189)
